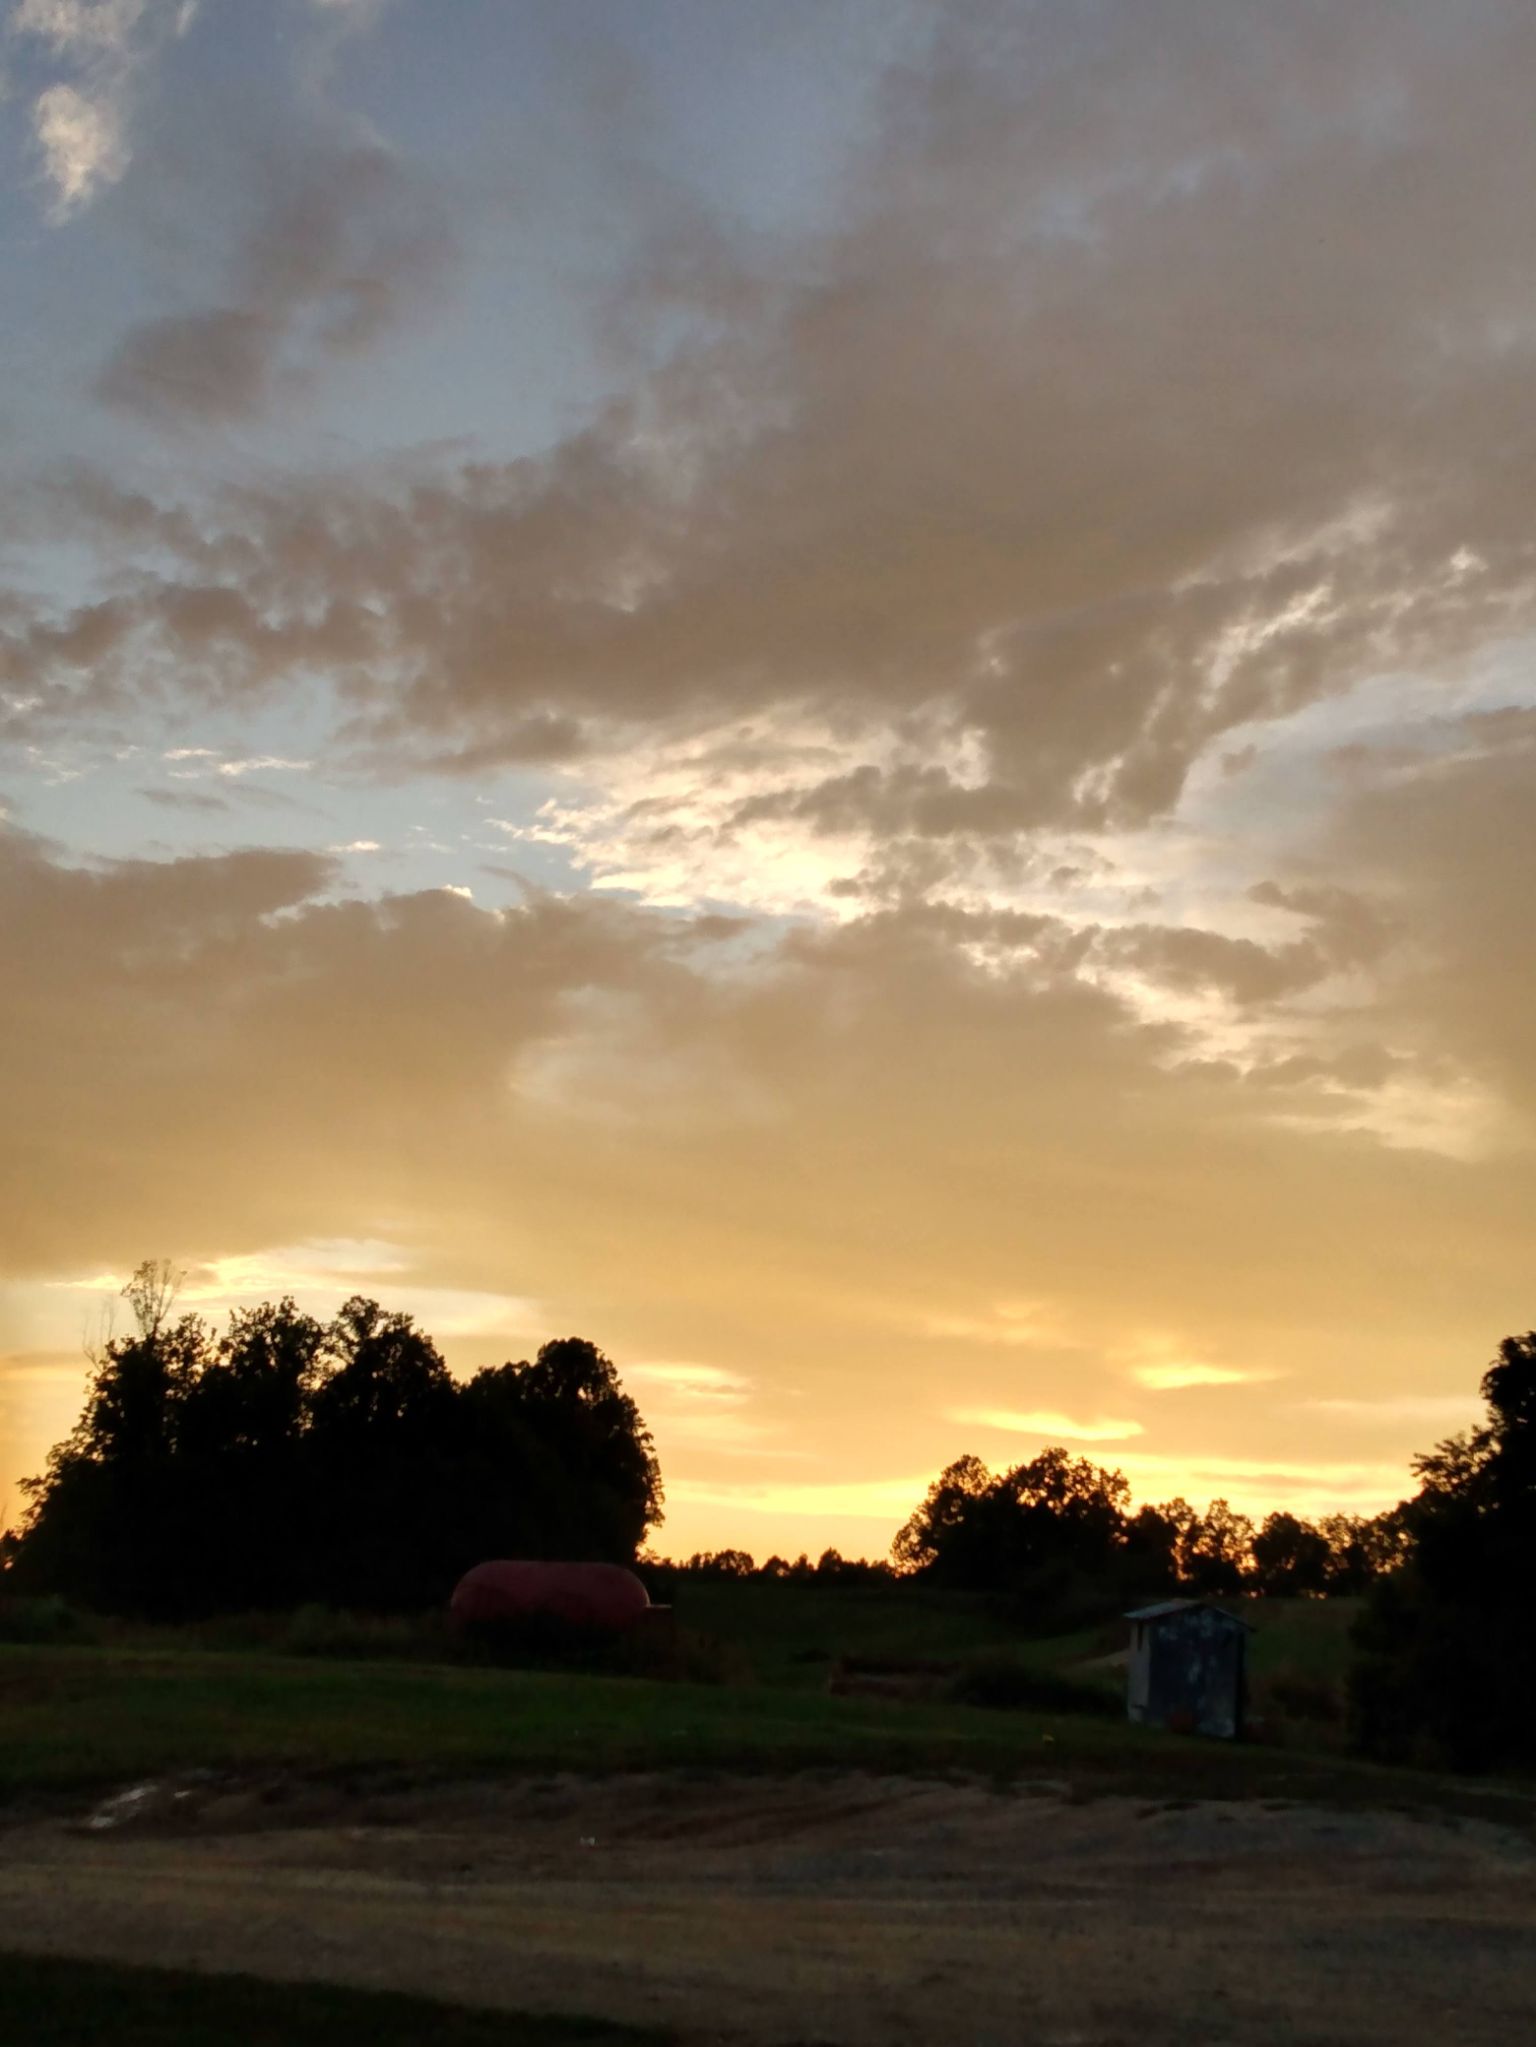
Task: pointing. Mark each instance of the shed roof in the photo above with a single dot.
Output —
(1161, 1610)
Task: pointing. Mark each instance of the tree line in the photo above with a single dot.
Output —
(830, 1568)
(1058, 1532)
(1443, 1668)
(284, 1460)
(1445, 1664)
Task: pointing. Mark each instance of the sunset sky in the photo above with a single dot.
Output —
(840, 692)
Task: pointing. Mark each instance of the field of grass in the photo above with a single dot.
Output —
(64, 2003)
(76, 1720)
(790, 1634)
(83, 1717)
(772, 1632)
(1307, 1636)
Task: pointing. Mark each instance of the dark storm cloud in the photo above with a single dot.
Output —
(339, 245)
(1170, 368)
(1450, 846)
(184, 799)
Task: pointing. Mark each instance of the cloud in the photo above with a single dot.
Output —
(1010, 1322)
(1250, 1485)
(335, 243)
(1054, 1427)
(1448, 843)
(135, 935)
(1050, 600)
(1176, 1375)
(887, 1501)
(1442, 1410)
(82, 144)
(699, 1407)
(81, 124)
(1077, 438)
(329, 1044)
(1259, 1486)
(629, 1119)
(84, 28)
(264, 763)
(707, 1383)
(209, 365)
(184, 799)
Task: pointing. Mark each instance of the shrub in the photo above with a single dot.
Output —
(1301, 1695)
(1005, 1683)
(1058, 1600)
(45, 1620)
(324, 1631)
(657, 1648)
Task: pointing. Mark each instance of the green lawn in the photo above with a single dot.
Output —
(75, 1720)
(1309, 1637)
(88, 1716)
(791, 1633)
(775, 1632)
(48, 2003)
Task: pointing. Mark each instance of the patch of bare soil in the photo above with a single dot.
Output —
(836, 1908)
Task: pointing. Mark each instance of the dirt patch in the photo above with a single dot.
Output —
(834, 1907)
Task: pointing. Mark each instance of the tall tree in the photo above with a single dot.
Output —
(287, 1461)
(1446, 1655)
(1025, 1532)
(1291, 1558)
(241, 1459)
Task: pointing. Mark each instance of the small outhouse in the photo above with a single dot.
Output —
(1186, 1669)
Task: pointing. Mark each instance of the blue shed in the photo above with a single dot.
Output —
(1187, 1668)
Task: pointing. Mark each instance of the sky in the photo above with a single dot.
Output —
(843, 694)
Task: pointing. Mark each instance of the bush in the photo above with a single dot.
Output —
(325, 1631)
(1057, 1600)
(45, 1620)
(1008, 1685)
(657, 1648)
(1301, 1695)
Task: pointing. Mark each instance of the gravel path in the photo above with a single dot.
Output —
(840, 1909)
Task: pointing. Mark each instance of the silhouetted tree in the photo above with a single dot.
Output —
(383, 1475)
(1362, 1548)
(941, 1537)
(287, 1460)
(1218, 1554)
(1157, 1545)
(241, 1468)
(832, 1567)
(579, 1465)
(1446, 1653)
(1045, 1534)
(719, 1563)
(1057, 1537)
(108, 1522)
(572, 1397)
(1291, 1558)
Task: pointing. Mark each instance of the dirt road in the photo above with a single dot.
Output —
(839, 1909)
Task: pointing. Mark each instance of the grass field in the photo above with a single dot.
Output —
(1308, 1636)
(282, 1800)
(791, 1633)
(81, 1719)
(778, 1632)
(53, 2003)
